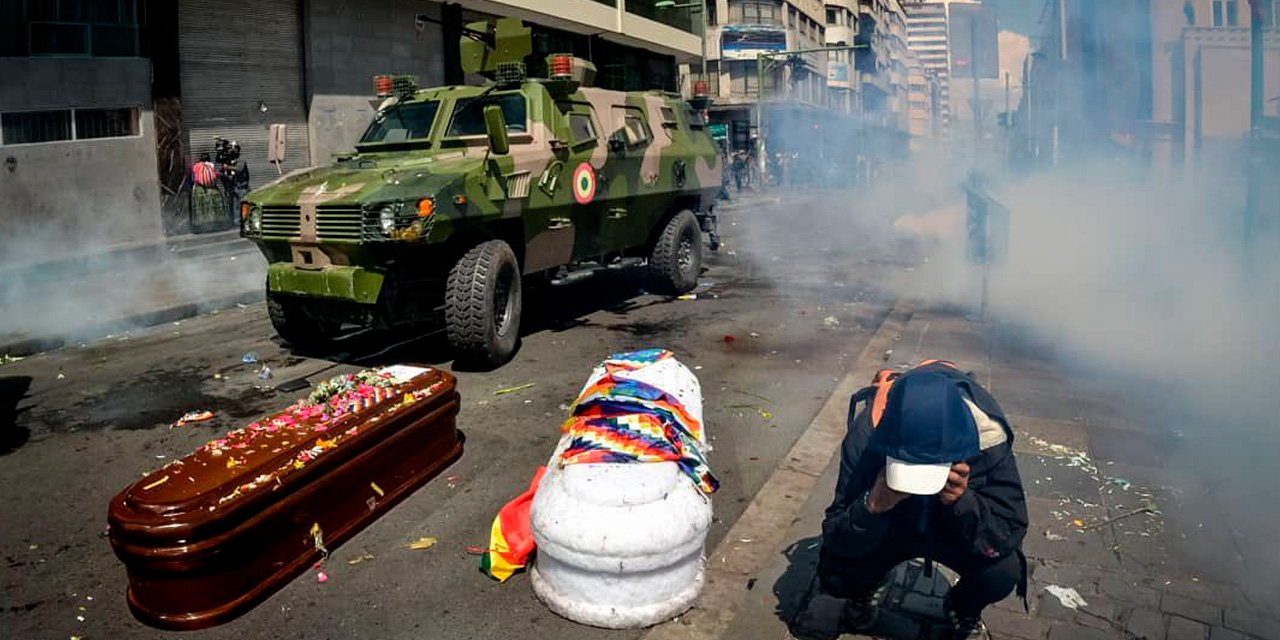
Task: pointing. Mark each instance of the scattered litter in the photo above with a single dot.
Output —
(1120, 482)
(264, 373)
(1053, 537)
(249, 358)
(755, 335)
(6, 359)
(688, 296)
(32, 547)
(503, 392)
(888, 354)
(1078, 522)
(322, 577)
(217, 376)
(192, 416)
(831, 321)
(754, 458)
(698, 368)
(241, 305)
(376, 489)
(360, 558)
(729, 338)
(452, 481)
(80, 618)
(764, 414)
(564, 407)
(1068, 596)
(422, 543)
(1146, 508)
(751, 584)
(62, 376)
(744, 539)
(476, 550)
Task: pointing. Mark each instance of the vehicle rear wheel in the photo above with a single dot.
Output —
(483, 304)
(676, 259)
(296, 325)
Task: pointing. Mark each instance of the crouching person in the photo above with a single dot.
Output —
(926, 471)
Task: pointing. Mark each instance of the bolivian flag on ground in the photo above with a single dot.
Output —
(511, 539)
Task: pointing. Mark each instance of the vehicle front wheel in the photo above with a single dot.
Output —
(296, 325)
(676, 259)
(483, 304)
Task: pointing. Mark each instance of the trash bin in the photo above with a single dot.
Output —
(620, 537)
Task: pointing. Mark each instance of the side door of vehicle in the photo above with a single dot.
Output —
(630, 196)
(579, 139)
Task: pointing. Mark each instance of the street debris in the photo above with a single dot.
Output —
(831, 321)
(729, 338)
(422, 543)
(1146, 508)
(62, 376)
(515, 389)
(1053, 537)
(264, 373)
(6, 359)
(192, 416)
(452, 481)
(476, 550)
(688, 296)
(888, 354)
(764, 414)
(376, 489)
(360, 558)
(1068, 596)
(322, 577)
(249, 358)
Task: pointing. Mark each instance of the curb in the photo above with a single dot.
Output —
(26, 346)
(769, 516)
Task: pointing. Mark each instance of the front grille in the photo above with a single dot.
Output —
(339, 223)
(280, 222)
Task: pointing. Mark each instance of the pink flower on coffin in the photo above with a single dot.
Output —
(271, 428)
(321, 428)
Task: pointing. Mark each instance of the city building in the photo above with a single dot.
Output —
(924, 105)
(118, 97)
(842, 31)
(927, 38)
(1163, 83)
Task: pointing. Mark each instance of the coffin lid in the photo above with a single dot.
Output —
(231, 477)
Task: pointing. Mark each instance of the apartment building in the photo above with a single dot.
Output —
(927, 38)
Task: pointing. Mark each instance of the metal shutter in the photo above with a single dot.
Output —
(235, 56)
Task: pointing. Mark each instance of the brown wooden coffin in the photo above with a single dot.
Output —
(208, 537)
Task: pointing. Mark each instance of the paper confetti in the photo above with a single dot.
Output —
(376, 489)
(156, 483)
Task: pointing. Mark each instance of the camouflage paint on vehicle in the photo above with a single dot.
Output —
(320, 228)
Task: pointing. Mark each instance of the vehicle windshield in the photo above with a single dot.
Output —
(402, 123)
(468, 115)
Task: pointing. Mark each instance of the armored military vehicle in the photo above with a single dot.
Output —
(455, 196)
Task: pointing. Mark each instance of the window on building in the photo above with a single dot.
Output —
(710, 7)
(30, 127)
(1233, 13)
(756, 12)
(102, 28)
(791, 16)
(804, 25)
(106, 123)
(1217, 13)
(833, 15)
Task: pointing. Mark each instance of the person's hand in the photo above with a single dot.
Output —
(957, 482)
(882, 498)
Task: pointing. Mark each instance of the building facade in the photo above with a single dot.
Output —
(118, 97)
(928, 38)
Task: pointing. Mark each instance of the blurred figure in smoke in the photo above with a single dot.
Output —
(234, 175)
(739, 168)
(926, 470)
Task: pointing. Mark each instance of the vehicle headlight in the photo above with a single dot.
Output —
(387, 219)
(255, 219)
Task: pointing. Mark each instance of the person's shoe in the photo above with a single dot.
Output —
(820, 619)
(965, 626)
(860, 614)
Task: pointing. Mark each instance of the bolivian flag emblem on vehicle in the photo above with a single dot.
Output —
(584, 183)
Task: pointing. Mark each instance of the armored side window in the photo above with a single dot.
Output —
(696, 121)
(669, 118)
(468, 115)
(402, 123)
(582, 128)
(630, 127)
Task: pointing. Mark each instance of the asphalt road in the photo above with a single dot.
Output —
(799, 301)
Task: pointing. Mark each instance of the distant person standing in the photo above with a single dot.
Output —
(208, 206)
(234, 175)
(739, 169)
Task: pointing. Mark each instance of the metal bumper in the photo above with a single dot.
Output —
(354, 284)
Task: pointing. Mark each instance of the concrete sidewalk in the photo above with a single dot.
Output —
(1152, 576)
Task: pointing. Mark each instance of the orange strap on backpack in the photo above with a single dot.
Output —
(883, 380)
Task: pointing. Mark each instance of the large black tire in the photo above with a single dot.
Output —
(482, 304)
(298, 327)
(676, 259)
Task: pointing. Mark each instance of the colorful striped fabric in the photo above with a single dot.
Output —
(621, 420)
(204, 174)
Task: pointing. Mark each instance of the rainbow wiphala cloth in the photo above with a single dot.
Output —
(620, 419)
